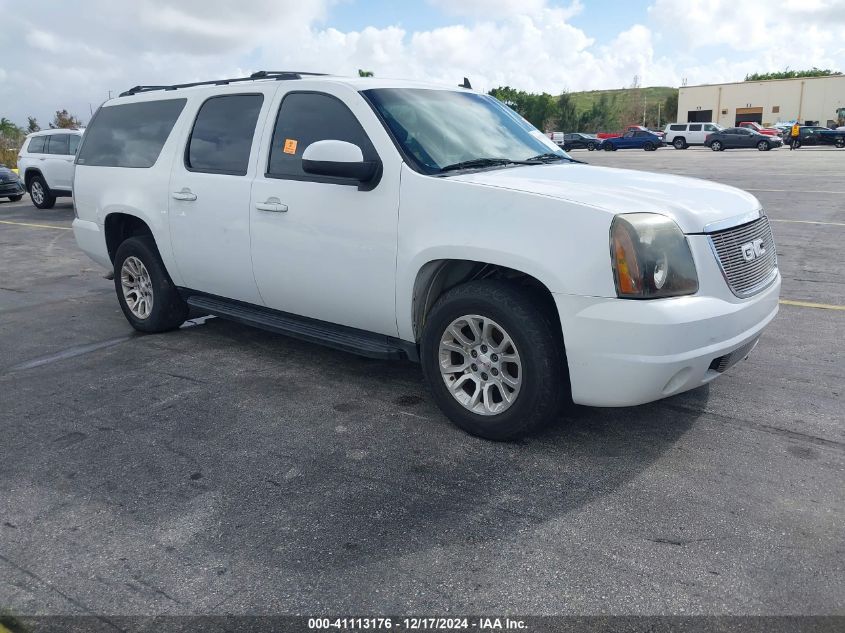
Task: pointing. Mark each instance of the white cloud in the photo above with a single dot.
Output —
(88, 48)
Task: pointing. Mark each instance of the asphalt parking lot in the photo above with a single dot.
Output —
(220, 469)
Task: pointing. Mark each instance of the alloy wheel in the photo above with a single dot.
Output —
(137, 287)
(36, 192)
(480, 364)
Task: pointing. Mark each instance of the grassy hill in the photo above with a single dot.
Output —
(585, 100)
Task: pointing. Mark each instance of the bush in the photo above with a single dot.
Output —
(9, 157)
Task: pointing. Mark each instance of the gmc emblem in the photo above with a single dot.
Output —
(753, 250)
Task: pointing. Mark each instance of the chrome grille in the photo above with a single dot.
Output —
(746, 277)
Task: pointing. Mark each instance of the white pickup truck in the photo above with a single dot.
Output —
(405, 220)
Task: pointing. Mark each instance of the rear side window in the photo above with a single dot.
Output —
(307, 117)
(695, 128)
(221, 140)
(73, 143)
(129, 135)
(57, 144)
(37, 144)
(677, 128)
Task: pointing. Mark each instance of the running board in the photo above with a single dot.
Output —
(339, 337)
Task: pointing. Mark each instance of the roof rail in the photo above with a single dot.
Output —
(278, 75)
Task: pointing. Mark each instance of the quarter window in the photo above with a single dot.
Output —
(57, 144)
(37, 144)
(308, 117)
(129, 135)
(73, 143)
(221, 140)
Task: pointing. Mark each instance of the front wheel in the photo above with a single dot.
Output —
(716, 146)
(608, 147)
(840, 143)
(591, 146)
(147, 296)
(493, 359)
(648, 147)
(763, 146)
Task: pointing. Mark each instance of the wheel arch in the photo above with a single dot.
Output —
(437, 276)
(118, 227)
(29, 174)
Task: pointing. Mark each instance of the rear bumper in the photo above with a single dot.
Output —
(624, 353)
(92, 240)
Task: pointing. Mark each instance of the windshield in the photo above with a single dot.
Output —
(444, 128)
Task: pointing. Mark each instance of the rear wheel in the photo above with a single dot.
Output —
(493, 359)
(716, 146)
(40, 194)
(679, 143)
(147, 296)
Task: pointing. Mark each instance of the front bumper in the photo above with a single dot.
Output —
(11, 188)
(623, 352)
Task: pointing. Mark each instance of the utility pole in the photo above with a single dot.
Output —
(645, 104)
(658, 114)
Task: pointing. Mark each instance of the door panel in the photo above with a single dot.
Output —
(210, 188)
(321, 247)
(58, 163)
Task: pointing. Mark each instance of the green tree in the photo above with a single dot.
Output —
(670, 107)
(32, 125)
(365, 73)
(64, 119)
(567, 116)
(792, 74)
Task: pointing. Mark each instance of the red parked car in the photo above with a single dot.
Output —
(751, 125)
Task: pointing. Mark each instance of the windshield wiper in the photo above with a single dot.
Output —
(549, 156)
(478, 162)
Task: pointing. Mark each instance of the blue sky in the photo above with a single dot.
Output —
(90, 47)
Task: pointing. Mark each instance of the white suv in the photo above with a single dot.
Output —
(404, 220)
(682, 135)
(45, 165)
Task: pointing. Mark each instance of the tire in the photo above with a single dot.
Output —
(679, 143)
(40, 193)
(648, 147)
(534, 332)
(591, 146)
(165, 309)
(15, 198)
(840, 143)
(716, 146)
(608, 147)
(763, 146)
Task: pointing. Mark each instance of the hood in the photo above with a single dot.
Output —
(690, 202)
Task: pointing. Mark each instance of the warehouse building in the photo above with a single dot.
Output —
(809, 100)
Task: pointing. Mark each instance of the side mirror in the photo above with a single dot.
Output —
(339, 159)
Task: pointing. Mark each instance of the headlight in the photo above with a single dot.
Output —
(651, 257)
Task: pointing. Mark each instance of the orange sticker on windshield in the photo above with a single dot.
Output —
(290, 146)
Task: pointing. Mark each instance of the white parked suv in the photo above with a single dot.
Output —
(682, 135)
(45, 165)
(405, 220)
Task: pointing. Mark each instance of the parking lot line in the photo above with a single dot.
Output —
(37, 226)
(808, 222)
(810, 304)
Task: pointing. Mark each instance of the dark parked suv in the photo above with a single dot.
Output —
(737, 137)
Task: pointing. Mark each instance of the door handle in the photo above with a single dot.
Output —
(185, 194)
(272, 204)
